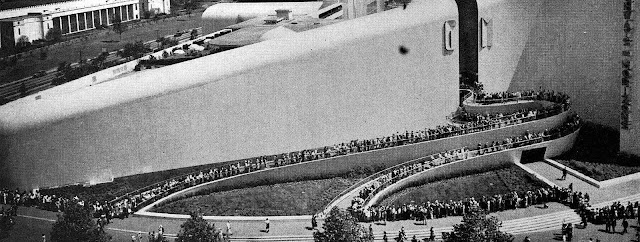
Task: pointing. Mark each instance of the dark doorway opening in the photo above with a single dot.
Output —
(533, 155)
(468, 42)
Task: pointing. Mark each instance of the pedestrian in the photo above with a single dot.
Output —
(266, 224)
(133, 238)
(384, 237)
(314, 222)
(370, 231)
(625, 224)
(414, 239)
(44, 238)
(432, 235)
(526, 239)
(613, 224)
(564, 173)
(229, 228)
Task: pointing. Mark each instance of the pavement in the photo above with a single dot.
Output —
(539, 224)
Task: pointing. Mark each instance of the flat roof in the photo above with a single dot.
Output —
(250, 31)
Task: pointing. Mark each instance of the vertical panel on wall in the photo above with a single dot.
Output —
(56, 23)
(65, 24)
(89, 19)
(110, 15)
(627, 69)
(130, 11)
(449, 26)
(486, 31)
(81, 21)
(104, 15)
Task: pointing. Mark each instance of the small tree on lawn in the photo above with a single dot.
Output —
(135, 50)
(77, 224)
(54, 34)
(118, 26)
(23, 42)
(339, 225)
(196, 229)
(189, 6)
(476, 226)
(194, 34)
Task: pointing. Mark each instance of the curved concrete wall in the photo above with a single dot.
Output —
(481, 163)
(572, 46)
(378, 158)
(505, 108)
(323, 86)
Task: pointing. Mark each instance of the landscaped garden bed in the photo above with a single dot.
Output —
(596, 155)
(293, 198)
(489, 183)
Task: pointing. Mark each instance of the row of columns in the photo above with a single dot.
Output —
(89, 20)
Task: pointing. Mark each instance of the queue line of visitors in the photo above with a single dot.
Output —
(131, 202)
(150, 195)
(441, 209)
(546, 95)
(402, 171)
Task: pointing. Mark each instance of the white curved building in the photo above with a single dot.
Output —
(328, 85)
(225, 14)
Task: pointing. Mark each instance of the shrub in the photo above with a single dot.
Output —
(54, 35)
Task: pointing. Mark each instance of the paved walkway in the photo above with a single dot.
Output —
(537, 223)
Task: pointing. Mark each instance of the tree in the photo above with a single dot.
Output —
(189, 6)
(43, 54)
(196, 229)
(76, 224)
(117, 25)
(54, 34)
(194, 34)
(339, 225)
(135, 50)
(476, 226)
(23, 42)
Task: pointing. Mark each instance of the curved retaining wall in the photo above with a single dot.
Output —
(508, 107)
(470, 166)
(340, 165)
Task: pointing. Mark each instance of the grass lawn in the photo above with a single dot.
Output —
(294, 198)
(595, 154)
(30, 64)
(483, 184)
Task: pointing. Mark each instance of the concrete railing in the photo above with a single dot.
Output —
(340, 165)
(475, 164)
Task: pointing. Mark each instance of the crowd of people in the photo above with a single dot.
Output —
(441, 209)
(609, 214)
(125, 205)
(396, 173)
(145, 196)
(546, 95)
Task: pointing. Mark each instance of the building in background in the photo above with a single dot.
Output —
(155, 6)
(70, 17)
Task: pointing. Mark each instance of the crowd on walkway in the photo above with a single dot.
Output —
(546, 95)
(442, 209)
(609, 215)
(125, 205)
(394, 174)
